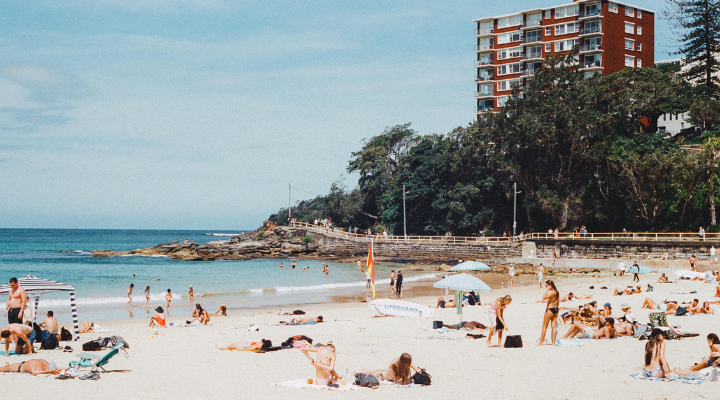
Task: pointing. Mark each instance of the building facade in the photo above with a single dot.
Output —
(511, 48)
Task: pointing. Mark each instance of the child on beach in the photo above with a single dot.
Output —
(132, 285)
(168, 298)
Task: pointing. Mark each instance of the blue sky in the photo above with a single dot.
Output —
(196, 114)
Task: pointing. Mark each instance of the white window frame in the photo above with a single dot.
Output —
(632, 28)
(548, 47)
(638, 63)
(502, 100)
(613, 7)
(628, 58)
(639, 13)
(547, 14)
(638, 30)
(548, 30)
(629, 11)
(638, 46)
(632, 44)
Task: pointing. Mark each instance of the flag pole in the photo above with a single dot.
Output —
(371, 267)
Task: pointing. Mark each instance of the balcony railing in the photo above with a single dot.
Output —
(528, 72)
(483, 109)
(480, 63)
(587, 31)
(481, 47)
(484, 93)
(590, 13)
(532, 39)
(537, 54)
(484, 31)
(591, 64)
(484, 78)
(591, 47)
(531, 23)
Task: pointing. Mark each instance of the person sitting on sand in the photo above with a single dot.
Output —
(222, 311)
(23, 336)
(246, 346)
(629, 316)
(400, 370)
(324, 363)
(669, 307)
(50, 324)
(606, 311)
(663, 279)
(159, 318)
(624, 328)
(705, 309)
(467, 325)
(88, 327)
(607, 331)
(713, 360)
(655, 364)
(201, 315)
(441, 303)
(33, 367)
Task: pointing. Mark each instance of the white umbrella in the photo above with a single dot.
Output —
(462, 283)
(470, 266)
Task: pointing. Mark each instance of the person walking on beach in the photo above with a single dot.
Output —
(636, 271)
(539, 273)
(511, 272)
(17, 299)
(368, 279)
(132, 285)
(552, 308)
(497, 320)
(168, 298)
(713, 257)
(147, 295)
(621, 267)
(398, 284)
(392, 281)
(191, 295)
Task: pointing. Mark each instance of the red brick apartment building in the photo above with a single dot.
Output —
(511, 48)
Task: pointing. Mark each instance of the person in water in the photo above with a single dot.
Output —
(129, 295)
(147, 295)
(552, 309)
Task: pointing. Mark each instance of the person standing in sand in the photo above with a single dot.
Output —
(497, 320)
(191, 295)
(398, 284)
(511, 272)
(539, 272)
(324, 363)
(132, 285)
(552, 308)
(17, 299)
(392, 281)
(147, 295)
(168, 299)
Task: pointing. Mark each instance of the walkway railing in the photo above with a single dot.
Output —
(494, 240)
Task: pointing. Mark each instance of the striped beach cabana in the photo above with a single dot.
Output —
(35, 286)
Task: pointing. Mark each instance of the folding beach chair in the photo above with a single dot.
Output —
(94, 361)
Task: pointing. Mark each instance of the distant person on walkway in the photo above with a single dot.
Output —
(701, 233)
(539, 272)
(191, 295)
(511, 272)
(398, 284)
(17, 299)
(636, 271)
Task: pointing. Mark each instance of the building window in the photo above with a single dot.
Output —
(630, 28)
(629, 11)
(682, 117)
(510, 21)
(639, 30)
(639, 14)
(565, 29)
(566, 45)
(639, 63)
(533, 36)
(662, 129)
(592, 27)
(506, 38)
(664, 117)
(501, 101)
(548, 47)
(548, 14)
(548, 31)
(629, 44)
(639, 46)
(613, 7)
(629, 61)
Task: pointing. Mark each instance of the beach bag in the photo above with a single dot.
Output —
(513, 341)
(298, 312)
(437, 324)
(65, 335)
(50, 342)
(658, 319)
(681, 311)
(93, 345)
(422, 378)
(366, 380)
(642, 331)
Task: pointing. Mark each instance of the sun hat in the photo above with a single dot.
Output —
(159, 309)
(624, 306)
(608, 305)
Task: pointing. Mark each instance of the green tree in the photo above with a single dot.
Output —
(712, 150)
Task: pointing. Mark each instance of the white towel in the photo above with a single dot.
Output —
(303, 384)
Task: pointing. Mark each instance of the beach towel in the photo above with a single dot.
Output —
(12, 353)
(691, 379)
(440, 337)
(303, 384)
(569, 342)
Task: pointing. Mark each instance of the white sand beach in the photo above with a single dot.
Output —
(183, 363)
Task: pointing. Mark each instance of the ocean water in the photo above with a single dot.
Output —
(101, 284)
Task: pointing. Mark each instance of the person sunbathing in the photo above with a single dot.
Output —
(695, 308)
(222, 311)
(159, 318)
(663, 279)
(87, 327)
(607, 331)
(669, 307)
(713, 360)
(655, 364)
(441, 303)
(706, 308)
(324, 363)
(570, 297)
(467, 325)
(246, 346)
(624, 329)
(305, 321)
(399, 371)
(34, 367)
(629, 290)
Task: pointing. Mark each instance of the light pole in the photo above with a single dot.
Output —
(515, 208)
(404, 217)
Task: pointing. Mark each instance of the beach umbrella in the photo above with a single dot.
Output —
(462, 283)
(470, 266)
(36, 286)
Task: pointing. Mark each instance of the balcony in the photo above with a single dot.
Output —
(484, 78)
(480, 63)
(532, 39)
(484, 109)
(484, 93)
(591, 64)
(532, 55)
(590, 31)
(593, 12)
(529, 72)
(484, 47)
(484, 31)
(531, 24)
(591, 47)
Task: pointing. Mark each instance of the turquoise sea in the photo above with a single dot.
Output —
(101, 284)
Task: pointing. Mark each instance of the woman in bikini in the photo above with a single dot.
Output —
(168, 298)
(400, 370)
(245, 346)
(669, 307)
(711, 361)
(147, 295)
(552, 308)
(607, 331)
(655, 364)
(324, 363)
(132, 285)
(496, 309)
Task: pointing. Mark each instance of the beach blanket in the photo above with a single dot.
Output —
(440, 330)
(569, 342)
(409, 385)
(303, 384)
(440, 337)
(12, 353)
(691, 379)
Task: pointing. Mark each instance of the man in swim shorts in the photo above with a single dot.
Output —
(17, 299)
(33, 367)
(23, 335)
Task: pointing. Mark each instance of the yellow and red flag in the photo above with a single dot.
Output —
(371, 267)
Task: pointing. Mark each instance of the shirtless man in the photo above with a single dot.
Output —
(17, 298)
(300, 321)
(663, 279)
(324, 363)
(50, 324)
(33, 367)
(539, 273)
(606, 332)
(22, 335)
(624, 328)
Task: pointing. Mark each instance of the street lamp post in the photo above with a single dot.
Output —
(404, 217)
(514, 209)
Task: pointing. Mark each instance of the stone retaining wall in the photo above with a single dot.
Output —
(631, 249)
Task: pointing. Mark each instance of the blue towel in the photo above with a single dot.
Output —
(12, 353)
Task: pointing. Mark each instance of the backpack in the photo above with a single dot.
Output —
(113, 341)
(513, 341)
(50, 342)
(437, 324)
(422, 378)
(658, 319)
(298, 312)
(366, 380)
(93, 345)
(681, 311)
(65, 335)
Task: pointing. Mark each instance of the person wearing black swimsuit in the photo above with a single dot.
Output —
(552, 295)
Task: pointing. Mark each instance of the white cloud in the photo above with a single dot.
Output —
(46, 84)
